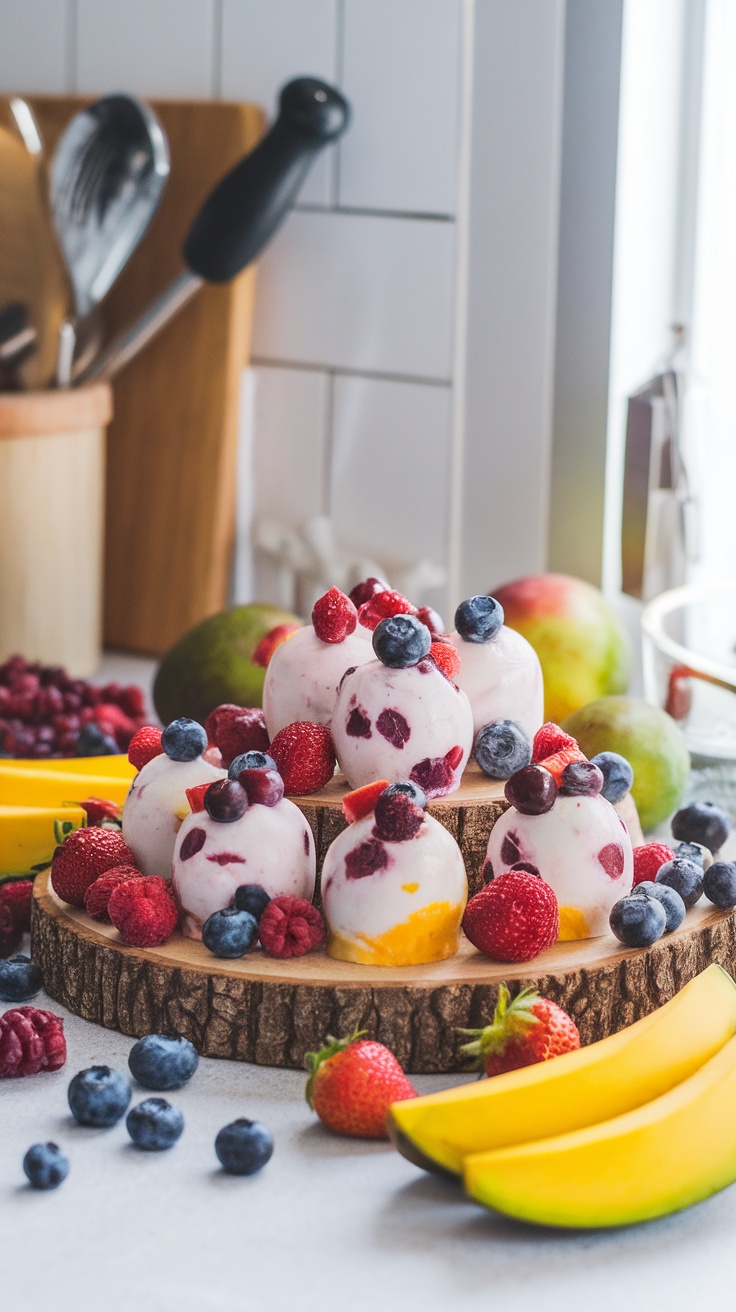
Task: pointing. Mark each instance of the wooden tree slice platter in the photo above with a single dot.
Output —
(272, 1012)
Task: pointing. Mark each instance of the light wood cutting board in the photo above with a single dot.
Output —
(172, 448)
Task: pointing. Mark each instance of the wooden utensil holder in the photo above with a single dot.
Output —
(52, 496)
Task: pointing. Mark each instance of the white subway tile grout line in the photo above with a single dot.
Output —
(337, 371)
(312, 208)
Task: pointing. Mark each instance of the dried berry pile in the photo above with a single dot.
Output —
(46, 713)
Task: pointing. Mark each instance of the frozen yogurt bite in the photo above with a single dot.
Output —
(243, 831)
(393, 884)
(157, 801)
(400, 717)
(499, 669)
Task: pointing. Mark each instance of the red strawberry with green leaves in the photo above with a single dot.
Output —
(352, 1084)
(524, 1030)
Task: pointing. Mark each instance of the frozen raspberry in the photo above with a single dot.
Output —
(362, 801)
(98, 894)
(392, 726)
(648, 857)
(435, 775)
(366, 859)
(270, 641)
(514, 918)
(559, 761)
(305, 756)
(98, 810)
(363, 592)
(84, 855)
(16, 895)
(31, 1040)
(10, 934)
(334, 616)
(237, 729)
(397, 817)
(433, 621)
(548, 740)
(383, 606)
(446, 658)
(144, 745)
(290, 926)
(143, 911)
(263, 787)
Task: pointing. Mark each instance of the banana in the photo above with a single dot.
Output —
(579, 1089)
(664, 1156)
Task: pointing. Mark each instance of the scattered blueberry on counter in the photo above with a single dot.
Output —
(154, 1125)
(719, 884)
(19, 979)
(159, 1062)
(243, 1147)
(230, 933)
(45, 1166)
(702, 822)
(99, 1096)
(638, 920)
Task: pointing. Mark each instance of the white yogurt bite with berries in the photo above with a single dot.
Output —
(580, 847)
(157, 801)
(499, 669)
(303, 675)
(246, 833)
(394, 887)
(399, 717)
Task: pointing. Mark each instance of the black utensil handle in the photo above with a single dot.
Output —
(246, 208)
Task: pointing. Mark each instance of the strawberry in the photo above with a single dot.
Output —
(446, 658)
(679, 693)
(270, 641)
(98, 811)
(85, 854)
(523, 1031)
(362, 801)
(143, 911)
(382, 606)
(557, 763)
(195, 796)
(305, 756)
(352, 1084)
(16, 895)
(237, 729)
(648, 857)
(144, 745)
(433, 621)
(548, 740)
(98, 894)
(334, 616)
(514, 918)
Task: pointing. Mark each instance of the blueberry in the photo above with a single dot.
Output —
(669, 897)
(412, 791)
(400, 641)
(251, 761)
(93, 741)
(719, 884)
(479, 619)
(19, 979)
(45, 1165)
(684, 876)
(618, 775)
(638, 920)
(230, 933)
(694, 852)
(532, 790)
(183, 740)
(159, 1062)
(581, 779)
(243, 1147)
(702, 822)
(501, 748)
(99, 1096)
(154, 1124)
(252, 898)
(226, 801)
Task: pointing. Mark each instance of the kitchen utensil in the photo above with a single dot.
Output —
(108, 173)
(17, 341)
(243, 211)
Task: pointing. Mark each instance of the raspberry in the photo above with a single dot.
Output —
(383, 606)
(85, 854)
(10, 934)
(237, 729)
(433, 621)
(548, 740)
(98, 894)
(270, 641)
(305, 756)
(397, 817)
(363, 592)
(446, 658)
(143, 911)
(31, 1040)
(116, 723)
(514, 918)
(290, 926)
(558, 762)
(648, 857)
(98, 810)
(435, 775)
(362, 801)
(16, 895)
(144, 745)
(334, 616)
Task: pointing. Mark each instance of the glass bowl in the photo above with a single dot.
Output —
(689, 658)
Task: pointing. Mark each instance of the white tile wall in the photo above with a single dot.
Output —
(362, 292)
(149, 47)
(33, 45)
(291, 449)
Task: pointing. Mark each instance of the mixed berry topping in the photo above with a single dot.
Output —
(501, 748)
(362, 801)
(581, 779)
(401, 641)
(226, 801)
(397, 817)
(479, 619)
(433, 621)
(446, 658)
(383, 605)
(250, 761)
(548, 740)
(363, 592)
(334, 616)
(533, 790)
(410, 790)
(144, 746)
(184, 739)
(618, 775)
(263, 787)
